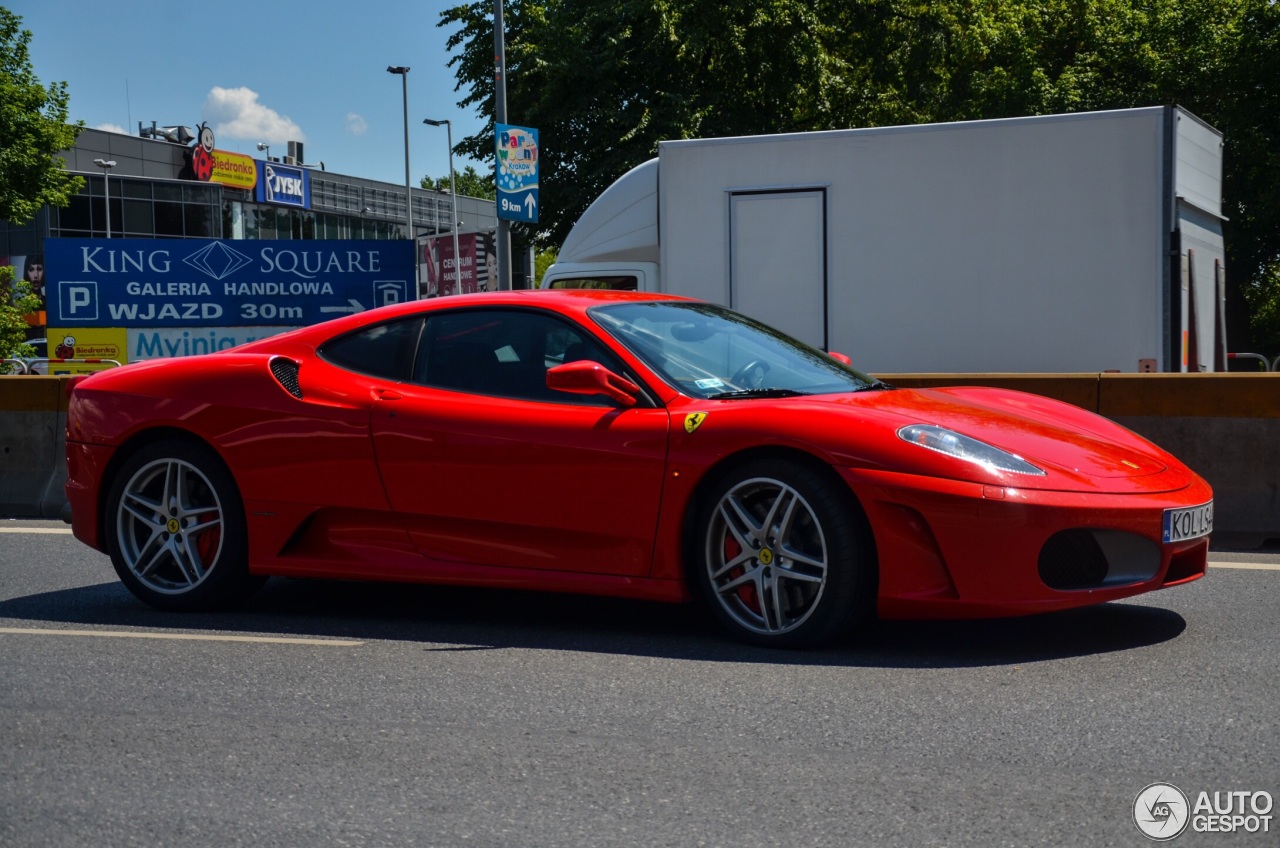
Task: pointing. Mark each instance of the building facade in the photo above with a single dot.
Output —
(173, 183)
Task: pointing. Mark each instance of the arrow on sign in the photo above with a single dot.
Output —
(356, 306)
(530, 206)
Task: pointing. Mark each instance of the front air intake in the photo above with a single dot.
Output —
(1092, 559)
(1072, 559)
(285, 371)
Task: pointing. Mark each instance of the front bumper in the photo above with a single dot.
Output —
(953, 549)
(86, 469)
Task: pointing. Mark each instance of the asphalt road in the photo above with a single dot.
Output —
(351, 714)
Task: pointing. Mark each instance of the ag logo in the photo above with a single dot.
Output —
(693, 421)
(1161, 812)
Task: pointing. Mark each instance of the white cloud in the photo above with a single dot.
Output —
(236, 113)
(356, 124)
(115, 128)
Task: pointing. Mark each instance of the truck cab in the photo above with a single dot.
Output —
(614, 245)
(619, 276)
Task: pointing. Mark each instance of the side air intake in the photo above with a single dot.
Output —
(285, 371)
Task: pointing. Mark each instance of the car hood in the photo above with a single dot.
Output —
(1078, 450)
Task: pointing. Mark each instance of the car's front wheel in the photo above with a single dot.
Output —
(176, 529)
(784, 558)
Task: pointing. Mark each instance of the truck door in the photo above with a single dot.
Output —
(778, 260)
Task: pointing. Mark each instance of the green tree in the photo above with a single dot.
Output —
(543, 260)
(468, 181)
(16, 300)
(33, 127)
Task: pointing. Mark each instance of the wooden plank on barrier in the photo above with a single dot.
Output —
(1190, 395)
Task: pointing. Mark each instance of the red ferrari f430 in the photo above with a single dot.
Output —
(622, 444)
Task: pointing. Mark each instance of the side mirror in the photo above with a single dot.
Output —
(591, 378)
(840, 357)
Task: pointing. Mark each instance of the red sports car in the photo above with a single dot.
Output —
(618, 444)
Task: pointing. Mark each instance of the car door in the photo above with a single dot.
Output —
(490, 467)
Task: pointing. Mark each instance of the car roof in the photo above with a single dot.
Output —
(570, 302)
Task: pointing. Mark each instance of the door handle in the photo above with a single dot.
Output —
(387, 394)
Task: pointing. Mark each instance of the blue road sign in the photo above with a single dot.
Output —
(221, 283)
(517, 173)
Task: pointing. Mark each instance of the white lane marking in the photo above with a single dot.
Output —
(1252, 566)
(193, 637)
(58, 531)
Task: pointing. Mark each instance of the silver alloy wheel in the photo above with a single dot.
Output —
(169, 526)
(766, 556)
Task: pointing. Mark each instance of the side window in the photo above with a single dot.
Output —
(618, 283)
(385, 350)
(504, 353)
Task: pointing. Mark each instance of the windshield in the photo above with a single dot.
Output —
(708, 351)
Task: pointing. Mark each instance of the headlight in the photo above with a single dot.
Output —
(963, 447)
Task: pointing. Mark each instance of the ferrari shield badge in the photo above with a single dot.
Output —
(693, 421)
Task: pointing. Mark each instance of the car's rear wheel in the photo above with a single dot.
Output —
(176, 529)
(785, 558)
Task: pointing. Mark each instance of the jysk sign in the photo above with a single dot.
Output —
(517, 173)
(283, 184)
(199, 283)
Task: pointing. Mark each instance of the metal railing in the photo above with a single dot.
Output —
(1257, 357)
(27, 366)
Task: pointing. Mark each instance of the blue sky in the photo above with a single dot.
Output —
(266, 71)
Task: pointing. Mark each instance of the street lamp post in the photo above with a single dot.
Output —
(453, 197)
(106, 165)
(403, 72)
(262, 145)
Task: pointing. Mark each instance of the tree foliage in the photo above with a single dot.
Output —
(33, 127)
(16, 300)
(469, 183)
(605, 80)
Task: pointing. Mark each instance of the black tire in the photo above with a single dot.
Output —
(175, 529)
(784, 556)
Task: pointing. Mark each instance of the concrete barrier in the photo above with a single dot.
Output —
(1224, 426)
(33, 452)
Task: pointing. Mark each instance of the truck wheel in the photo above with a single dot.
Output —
(176, 529)
(784, 556)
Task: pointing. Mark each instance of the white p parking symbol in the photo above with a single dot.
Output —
(78, 301)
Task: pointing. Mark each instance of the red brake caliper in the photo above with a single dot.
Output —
(207, 545)
(747, 591)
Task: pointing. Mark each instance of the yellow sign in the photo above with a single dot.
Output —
(693, 421)
(91, 343)
(234, 169)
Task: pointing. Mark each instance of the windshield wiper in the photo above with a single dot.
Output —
(877, 386)
(756, 393)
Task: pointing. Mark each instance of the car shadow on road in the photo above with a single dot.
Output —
(446, 618)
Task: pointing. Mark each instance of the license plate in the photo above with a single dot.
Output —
(1189, 522)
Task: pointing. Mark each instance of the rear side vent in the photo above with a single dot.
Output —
(286, 373)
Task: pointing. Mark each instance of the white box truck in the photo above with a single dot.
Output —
(1062, 243)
